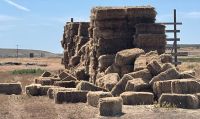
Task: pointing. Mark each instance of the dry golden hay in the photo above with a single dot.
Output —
(32, 89)
(114, 68)
(160, 87)
(10, 88)
(137, 84)
(144, 74)
(94, 96)
(66, 84)
(140, 62)
(167, 66)
(191, 72)
(160, 49)
(166, 58)
(110, 80)
(152, 55)
(67, 76)
(137, 98)
(185, 86)
(187, 101)
(142, 40)
(105, 61)
(166, 75)
(73, 96)
(42, 90)
(110, 24)
(127, 57)
(84, 85)
(110, 106)
(186, 76)
(154, 67)
(153, 28)
(43, 80)
(54, 79)
(51, 91)
(198, 96)
(126, 69)
(46, 74)
(120, 86)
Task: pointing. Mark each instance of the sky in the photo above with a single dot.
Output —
(38, 24)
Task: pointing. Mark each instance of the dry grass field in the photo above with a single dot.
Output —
(41, 107)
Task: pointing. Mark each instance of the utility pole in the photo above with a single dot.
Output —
(17, 51)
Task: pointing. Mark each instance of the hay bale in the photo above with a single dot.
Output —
(10, 88)
(191, 72)
(120, 86)
(110, 106)
(52, 91)
(187, 101)
(140, 63)
(73, 96)
(144, 74)
(105, 61)
(126, 69)
(75, 60)
(43, 80)
(114, 68)
(198, 96)
(142, 40)
(93, 97)
(100, 82)
(127, 57)
(160, 87)
(67, 76)
(166, 75)
(186, 76)
(167, 66)
(166, 58)
(42, 90)
(137, 84)
(83, 28)
(110, 80)
(66, 84)
(110, 24)
(154, 67)
(80, 73)
(144, 28)
(84, 85)
(100, 75)
(185, 86)
(137, 98)
(159, 49)
(106, 13)
(152, 55)
(32, 89)
(54, 79)
(46, 74)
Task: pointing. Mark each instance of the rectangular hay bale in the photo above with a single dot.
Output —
(10, 88)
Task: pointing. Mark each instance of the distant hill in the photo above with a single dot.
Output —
(25, 53)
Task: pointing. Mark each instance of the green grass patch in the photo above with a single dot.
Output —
(28, 71)
(188, 59)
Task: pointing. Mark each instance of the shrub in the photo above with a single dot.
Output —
(27, 71)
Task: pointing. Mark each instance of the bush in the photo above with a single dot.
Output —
(28, 71)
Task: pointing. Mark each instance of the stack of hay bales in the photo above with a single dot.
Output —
(150, 37)
(74, 37)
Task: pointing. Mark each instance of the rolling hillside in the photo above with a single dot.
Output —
(25, 53)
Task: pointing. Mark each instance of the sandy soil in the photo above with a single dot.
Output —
(41, 107)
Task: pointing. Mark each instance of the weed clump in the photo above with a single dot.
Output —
(27, 71)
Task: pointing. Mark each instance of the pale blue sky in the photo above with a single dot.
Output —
(38, 24)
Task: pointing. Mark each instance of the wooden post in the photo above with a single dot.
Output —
(175, 42)
(72, 20)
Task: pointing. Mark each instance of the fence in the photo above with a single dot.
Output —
(175, 39)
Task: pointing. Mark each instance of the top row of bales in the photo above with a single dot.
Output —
(112, 28)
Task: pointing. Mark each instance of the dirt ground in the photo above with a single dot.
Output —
(41, 107)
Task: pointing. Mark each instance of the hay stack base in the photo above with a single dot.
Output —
(70, 96)
(94, 96)
(10, 88)
(186, 101)
(32, 89)
(137, 98)
(51, 91)
(110, 106)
